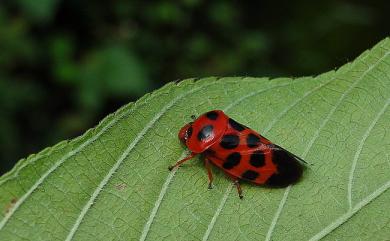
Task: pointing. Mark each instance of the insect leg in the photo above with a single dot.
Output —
(182, 161)
(237, 184)
(209, 173)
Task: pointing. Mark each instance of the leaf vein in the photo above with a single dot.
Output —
(273, 122)
(312, 141)
(217, 212)
(170, 176)
(343, 218)
(277, 213)
(158, 202)
(57, 164)
(269, 127)
(359, 149)
(106, 179)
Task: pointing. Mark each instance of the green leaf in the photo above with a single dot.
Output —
(112, 183)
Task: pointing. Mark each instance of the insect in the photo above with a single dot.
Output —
(239, 151)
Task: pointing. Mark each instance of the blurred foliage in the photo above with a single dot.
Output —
(66, 64)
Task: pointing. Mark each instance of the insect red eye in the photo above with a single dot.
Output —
(185, 133)
(188, 133)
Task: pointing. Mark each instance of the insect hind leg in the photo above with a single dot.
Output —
(209, 172)
(236, 182)
(239, 190)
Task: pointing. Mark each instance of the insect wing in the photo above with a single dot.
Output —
(245, 154)
(289, 168)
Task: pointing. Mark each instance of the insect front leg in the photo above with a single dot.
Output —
(209, 173)
(182, 161)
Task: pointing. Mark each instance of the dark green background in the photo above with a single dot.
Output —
(64, 65)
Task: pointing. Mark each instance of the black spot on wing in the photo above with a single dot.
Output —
(250, 175)
(230, 141)
(257, 159)
(205, 132)
(212, 115)
(252, 140)
(232, 160)
(289, 170)
(235, 125)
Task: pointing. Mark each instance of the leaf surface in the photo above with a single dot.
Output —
(112, 183)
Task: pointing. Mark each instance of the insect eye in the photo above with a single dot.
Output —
(188, 133)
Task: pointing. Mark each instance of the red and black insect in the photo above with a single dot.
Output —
(239, 151)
